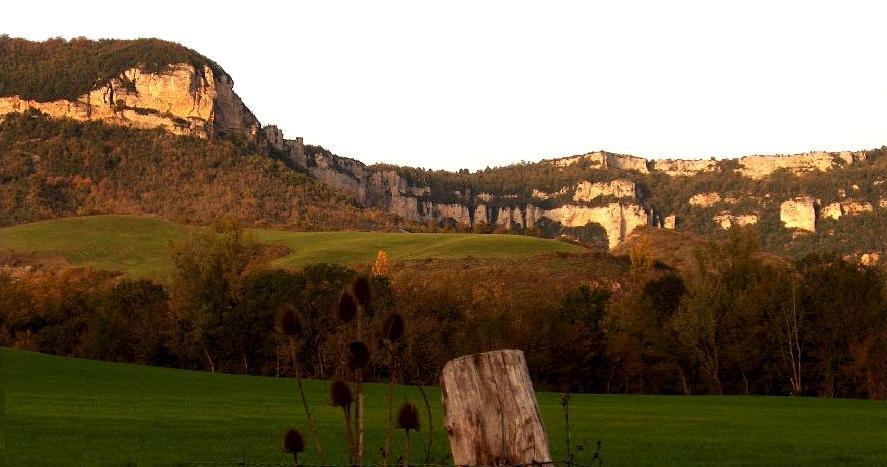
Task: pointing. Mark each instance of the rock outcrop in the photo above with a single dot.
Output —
(845, 208)
(705, 200)
(183, 100)
(537, 194)
(850, 208)
(831, 211)
(758, 167)
(799, 213)
(604, 160)
(726, 219)
(618, 220)
(684, 167)
(587, 191)
(480, 215)
(870, 259)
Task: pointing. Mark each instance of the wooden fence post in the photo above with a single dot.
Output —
(490, 410)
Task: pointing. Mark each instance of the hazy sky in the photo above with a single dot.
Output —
(471, 84)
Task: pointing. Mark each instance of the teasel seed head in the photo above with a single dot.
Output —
(358, 355)
(408, 417)
(340, 394)
(394, 327)
(347, 308)
(363, 290)
(293, 442)
(289, 323)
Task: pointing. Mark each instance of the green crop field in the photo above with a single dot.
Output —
(63, 411)
(139, 245)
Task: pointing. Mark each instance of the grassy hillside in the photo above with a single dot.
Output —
(138, 245)
(71, 411)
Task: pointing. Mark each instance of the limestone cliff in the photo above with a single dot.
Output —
(587, 191)
(604, 160)
(799, 213)
(618, 220)
(727, 220)
(758, 167)
(755, 167)
(683, 167)
(183, 100)
(845, 208)
(705, 200)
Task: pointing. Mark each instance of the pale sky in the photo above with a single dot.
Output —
(475, 84)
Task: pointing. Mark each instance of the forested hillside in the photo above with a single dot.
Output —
(58, 168)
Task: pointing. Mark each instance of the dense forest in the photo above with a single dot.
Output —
(67, 69)
(735, 322)
(57, 168)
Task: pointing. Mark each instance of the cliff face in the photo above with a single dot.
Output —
(683, 167)
(758, 167)
(616, 205)
(604, 160)
(726, 219)
(799, 213)
(182, 100)
(388, 190)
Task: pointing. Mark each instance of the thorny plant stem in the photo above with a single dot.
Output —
(349, 436)
(391, 386)
(407, 454)
(358, 412)
(359, 418)
(565, 402)
(430, 424)
(298, 377)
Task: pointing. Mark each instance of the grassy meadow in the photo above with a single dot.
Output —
(64, 411)
(138, 245)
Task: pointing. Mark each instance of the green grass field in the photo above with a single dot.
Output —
(138, 245)
(62, 411)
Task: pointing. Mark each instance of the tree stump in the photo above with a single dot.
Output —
(490, 410)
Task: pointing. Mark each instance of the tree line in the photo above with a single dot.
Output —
(739, 322)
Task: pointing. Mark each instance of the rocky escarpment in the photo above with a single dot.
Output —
(758, 167)
(603, 160)
(389, 190)
(684, 167)
(618, 205)
(183, 99)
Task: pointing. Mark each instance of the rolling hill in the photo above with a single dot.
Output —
(137, 245)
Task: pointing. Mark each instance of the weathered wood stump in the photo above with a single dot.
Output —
(490, 410)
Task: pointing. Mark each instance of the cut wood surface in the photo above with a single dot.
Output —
(490, 410)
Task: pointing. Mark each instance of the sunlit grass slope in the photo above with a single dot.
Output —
(139, 245)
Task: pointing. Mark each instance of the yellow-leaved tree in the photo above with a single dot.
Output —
(381, 267)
